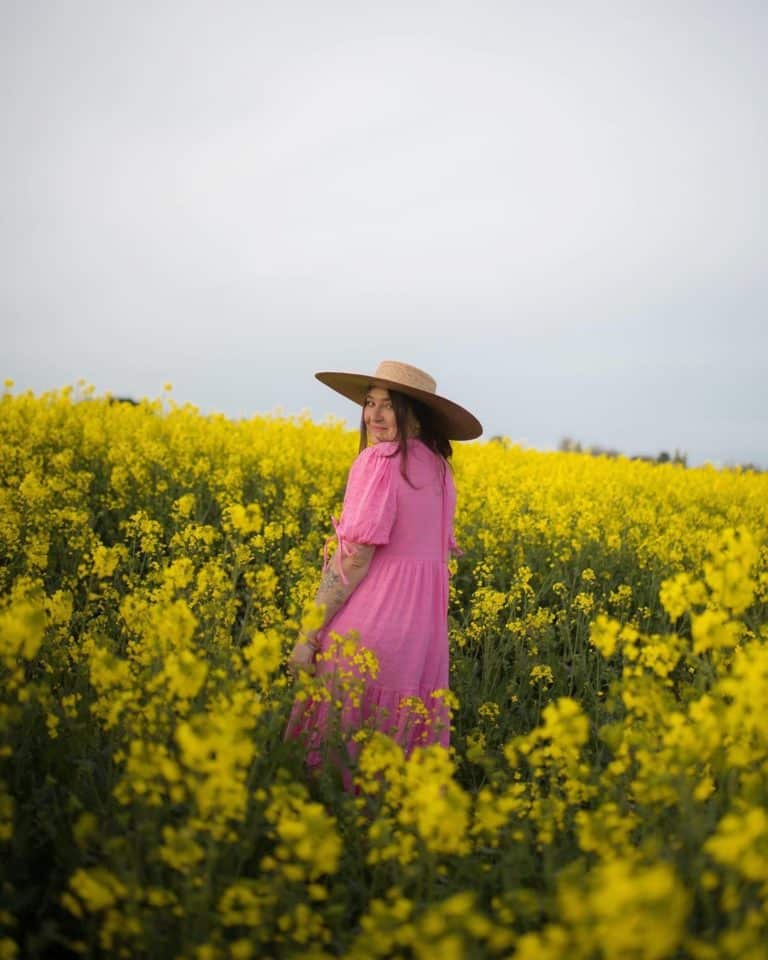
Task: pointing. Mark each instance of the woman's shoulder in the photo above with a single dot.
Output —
(373, 462)
(371, 473)
(386, 450)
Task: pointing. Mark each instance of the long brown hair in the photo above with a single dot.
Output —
(407, 410)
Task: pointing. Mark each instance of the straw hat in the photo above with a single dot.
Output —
(456, 422)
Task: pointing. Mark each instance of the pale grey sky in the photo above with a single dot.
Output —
(558, 209)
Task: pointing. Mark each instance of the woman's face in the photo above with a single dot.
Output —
(379, 416)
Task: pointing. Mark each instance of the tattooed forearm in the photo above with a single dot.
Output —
(333, 592)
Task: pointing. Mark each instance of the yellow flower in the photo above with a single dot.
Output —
(583, 602)
(184, 506)
(741, 842)
(308, 844)
(713, 630)
(8, 948)
(245, 519)
(625, 909)
(106, 559)
(541, 673)
(241, 949)
(185, 674)
(432, 803)
(22, 624)
(493, 811)
(678, 594)
(180, 849)
(604, 634)
(380, 762)
(97, 888)
(490, 711)
(607, 830)
(246, 903)
(728, 573)
(264, 655)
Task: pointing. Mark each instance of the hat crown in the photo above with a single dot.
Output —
(405, 374)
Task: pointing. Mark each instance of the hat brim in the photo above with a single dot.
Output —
(456, 422)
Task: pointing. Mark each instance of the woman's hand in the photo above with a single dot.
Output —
(302, 657)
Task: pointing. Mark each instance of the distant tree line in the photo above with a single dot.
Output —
(567, 445)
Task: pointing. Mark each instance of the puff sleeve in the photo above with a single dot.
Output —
(370, 501)
(370, 504)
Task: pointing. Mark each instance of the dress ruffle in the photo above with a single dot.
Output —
(411, 719)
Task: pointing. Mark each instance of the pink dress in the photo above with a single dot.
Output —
(399, 610)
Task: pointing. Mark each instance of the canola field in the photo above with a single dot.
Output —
(606, 793)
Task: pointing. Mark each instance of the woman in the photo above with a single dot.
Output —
(388, 580)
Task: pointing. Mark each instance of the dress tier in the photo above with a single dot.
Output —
(400, 610)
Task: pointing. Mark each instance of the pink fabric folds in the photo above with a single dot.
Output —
(369, 506)
(370, 501)
(399, 611)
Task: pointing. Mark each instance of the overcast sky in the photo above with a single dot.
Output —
(558, 209)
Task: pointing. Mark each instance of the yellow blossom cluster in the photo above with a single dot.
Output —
(606, 788)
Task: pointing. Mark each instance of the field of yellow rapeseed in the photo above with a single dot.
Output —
(606, 794)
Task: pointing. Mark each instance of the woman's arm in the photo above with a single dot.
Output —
(340, 578)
